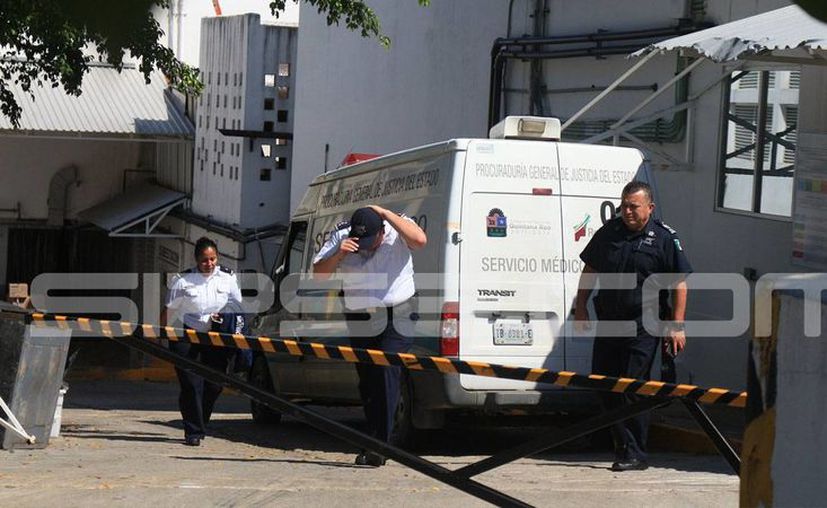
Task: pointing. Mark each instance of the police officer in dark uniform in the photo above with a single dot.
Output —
(637, 245)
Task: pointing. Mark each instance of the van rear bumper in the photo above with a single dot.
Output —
(433, 391)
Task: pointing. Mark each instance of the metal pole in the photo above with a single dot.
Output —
(637, 123)
(760, 136)
(669, 84)
(611, 87)
(714, 434)
(13, 424)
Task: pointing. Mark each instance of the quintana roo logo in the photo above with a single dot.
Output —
(496, 224)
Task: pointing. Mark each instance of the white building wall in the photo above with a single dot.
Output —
(352, 95)
(271, 71)
(25, 173)
(174, 165)
(224, 66)
(181, 22)
(240, 62)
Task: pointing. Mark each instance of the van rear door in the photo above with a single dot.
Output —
(511, 277)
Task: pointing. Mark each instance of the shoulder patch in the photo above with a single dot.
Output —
(343, 225)
(666, 227)
(228, 271)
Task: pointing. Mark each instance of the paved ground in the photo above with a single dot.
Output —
(121, 444)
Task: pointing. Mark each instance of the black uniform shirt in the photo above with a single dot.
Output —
(615, 249)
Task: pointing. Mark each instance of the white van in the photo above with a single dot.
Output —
(506, 220)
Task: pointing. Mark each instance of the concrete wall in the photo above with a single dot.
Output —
(174, 165)
(181, 23)
(799, 458)
(355, 96)
(28, 165)
(265, 202)
(240, 61)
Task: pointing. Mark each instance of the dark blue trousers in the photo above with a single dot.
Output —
(379, 387)
(629, 357)
(198, 396)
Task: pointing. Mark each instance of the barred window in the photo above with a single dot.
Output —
(758, 164)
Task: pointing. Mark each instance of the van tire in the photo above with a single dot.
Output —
(260, 378)
(404, 433)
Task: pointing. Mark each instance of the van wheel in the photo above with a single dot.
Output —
(404, 433)
(260, 378)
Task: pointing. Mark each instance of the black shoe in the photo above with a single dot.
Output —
(192, 441)
(370, 459)
(630, 465)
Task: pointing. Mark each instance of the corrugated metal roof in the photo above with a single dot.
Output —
(112, 103)
(135, 204)
(782, 29)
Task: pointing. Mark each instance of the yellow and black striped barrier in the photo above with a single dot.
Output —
(406, 360)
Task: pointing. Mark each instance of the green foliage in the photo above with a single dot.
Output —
(42, 42)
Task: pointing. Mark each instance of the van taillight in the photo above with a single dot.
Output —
(449, 330)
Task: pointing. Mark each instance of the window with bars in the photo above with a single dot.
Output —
(790, 120)
(745, 138)
(757, 164)
(795, 80)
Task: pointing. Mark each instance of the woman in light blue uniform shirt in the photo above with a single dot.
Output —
(196, 296)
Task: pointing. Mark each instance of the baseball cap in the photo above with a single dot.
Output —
(365, 224)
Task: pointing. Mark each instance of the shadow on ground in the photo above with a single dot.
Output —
(481, 436)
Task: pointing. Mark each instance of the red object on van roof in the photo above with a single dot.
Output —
(355, 158)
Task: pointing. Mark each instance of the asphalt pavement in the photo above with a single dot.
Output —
(121, 444)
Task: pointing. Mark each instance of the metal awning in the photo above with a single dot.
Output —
(135, 213)
(114, 105)
(786, 33)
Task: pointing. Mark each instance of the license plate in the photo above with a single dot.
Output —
(513, 333)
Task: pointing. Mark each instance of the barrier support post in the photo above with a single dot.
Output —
(714, 434)
(567, 434)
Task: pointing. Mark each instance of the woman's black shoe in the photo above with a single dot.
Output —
(630, 465)
(370, 459)
(192, 441)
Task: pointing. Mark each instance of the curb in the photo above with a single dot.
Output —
(157, 374)
(670, 438)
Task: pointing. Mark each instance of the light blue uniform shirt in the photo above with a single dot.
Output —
(384, 277)
(197, 296)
